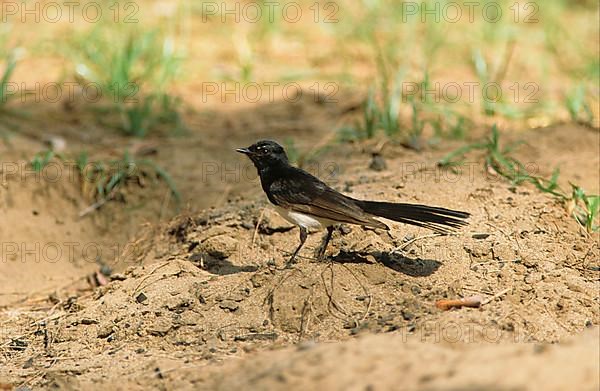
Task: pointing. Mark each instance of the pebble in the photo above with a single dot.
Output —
(118, 277)
(160, 327)
(478, 250)
(503, 252)
(141, 297)
(247, 225)
(406, 315)
(415, 290)
(105, 330)
(220, 247)
(28, 364)
(229, 305)
(377, 162)
(88, 321)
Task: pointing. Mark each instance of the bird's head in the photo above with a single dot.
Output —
(265, 153)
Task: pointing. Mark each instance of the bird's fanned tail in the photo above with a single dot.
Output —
(440, 220)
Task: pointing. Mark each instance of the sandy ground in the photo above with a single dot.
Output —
(145, 294)
(200, 301)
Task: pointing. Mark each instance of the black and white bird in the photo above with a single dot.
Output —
(309, 203)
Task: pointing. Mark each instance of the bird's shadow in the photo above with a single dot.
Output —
(414, 267)
(222, 266)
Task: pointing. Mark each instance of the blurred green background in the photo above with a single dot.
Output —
(414, 73)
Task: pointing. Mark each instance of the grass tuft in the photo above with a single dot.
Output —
(133, 71)
(583, 207)
(102, 180)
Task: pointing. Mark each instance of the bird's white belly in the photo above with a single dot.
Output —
(304, 220)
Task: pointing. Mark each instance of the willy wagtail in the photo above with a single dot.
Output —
(307, 202)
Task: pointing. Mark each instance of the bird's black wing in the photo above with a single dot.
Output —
(299, 191)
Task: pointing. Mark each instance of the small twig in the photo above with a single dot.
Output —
(365, 290)
(476, 290)
(505, 234)
(497, 295)
(490, 262)
(331, 303)
(306, 315)
(149, 275)
(96, 205)
(256, 228)
(269, 298)
(408, 243)
(30, 380)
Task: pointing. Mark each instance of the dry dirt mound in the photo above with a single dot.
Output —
(210, 287)
(392, 362)
(46, 242)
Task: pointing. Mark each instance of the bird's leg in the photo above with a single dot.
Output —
(326, 239)
(303, 236)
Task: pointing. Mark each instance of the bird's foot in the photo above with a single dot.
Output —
(288, 266)
(320, 255)
(290, 263)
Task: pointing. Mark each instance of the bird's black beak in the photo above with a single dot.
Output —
(245, 151)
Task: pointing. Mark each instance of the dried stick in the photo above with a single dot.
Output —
(471, 301)
(256, 228)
